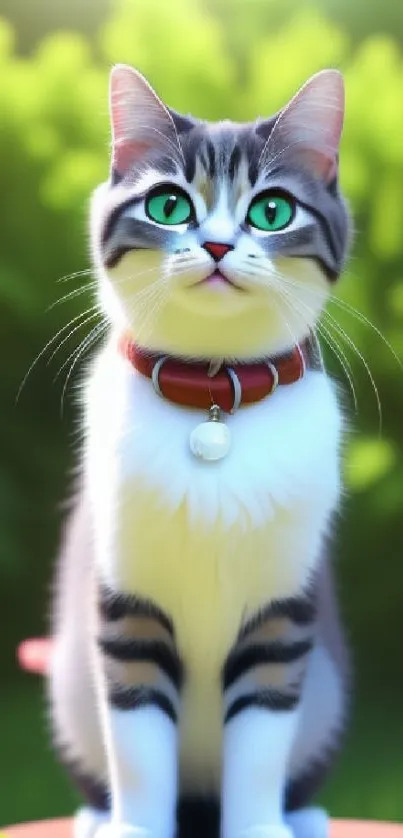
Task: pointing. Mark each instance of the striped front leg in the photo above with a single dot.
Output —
(262, 680)
(143, 675)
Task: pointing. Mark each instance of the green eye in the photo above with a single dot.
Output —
(169, 206)
(270, 212)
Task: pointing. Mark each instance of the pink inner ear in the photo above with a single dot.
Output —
(125, 152)
(330, 170)
(324, 166)
(311, 124)
(140, 121)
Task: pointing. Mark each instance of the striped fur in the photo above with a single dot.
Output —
(288, 624)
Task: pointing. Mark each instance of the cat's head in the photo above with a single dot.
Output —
(220, 240)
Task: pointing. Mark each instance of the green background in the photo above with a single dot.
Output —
(218, 58)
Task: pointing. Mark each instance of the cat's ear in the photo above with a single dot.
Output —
(140, 121)
(310, 126)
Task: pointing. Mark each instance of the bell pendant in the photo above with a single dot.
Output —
(211, 439)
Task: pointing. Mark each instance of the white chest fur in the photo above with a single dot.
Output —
(209, 542)
(283, 465)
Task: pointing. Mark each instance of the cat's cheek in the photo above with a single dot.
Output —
(111, 304)
(303, 288)
(135, 281)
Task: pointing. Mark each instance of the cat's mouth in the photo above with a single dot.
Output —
(219, 281)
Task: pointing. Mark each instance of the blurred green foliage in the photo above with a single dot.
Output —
(214, 60)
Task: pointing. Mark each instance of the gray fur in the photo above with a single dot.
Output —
(221, 149)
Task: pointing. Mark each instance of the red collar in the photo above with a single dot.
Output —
(190, 385)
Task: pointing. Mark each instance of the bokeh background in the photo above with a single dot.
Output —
(214, 58)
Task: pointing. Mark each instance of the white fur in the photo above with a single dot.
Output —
(257, 743)
(113, 830)
(208, 541)
(285, 448)
(311, 822)
(87, 823)
(143, 770)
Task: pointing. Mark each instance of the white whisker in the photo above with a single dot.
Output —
(75, 274)
(89, 286)
(86, 343)
(83, 323)
(47, 345)
(331, 343)
(88, 319)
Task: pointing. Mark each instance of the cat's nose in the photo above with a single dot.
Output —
(217, 250)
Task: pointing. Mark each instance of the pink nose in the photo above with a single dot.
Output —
(217, 250)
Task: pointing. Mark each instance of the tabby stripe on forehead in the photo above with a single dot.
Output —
(253, 170)
(234, 161)
(211, 158)
(299, 610)
(241, 661)
(140, 650)
(132, 698)
(115, 606)
(274, 700)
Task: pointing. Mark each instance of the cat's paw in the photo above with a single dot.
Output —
(87, 822)
(122, 830)
(309, 823)
(267, 831)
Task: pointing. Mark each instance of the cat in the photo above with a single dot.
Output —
(199, 679)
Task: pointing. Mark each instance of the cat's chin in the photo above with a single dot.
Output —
(216, 299)
(218, 282)
(237, 326)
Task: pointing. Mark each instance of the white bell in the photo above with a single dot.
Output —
(211, 440)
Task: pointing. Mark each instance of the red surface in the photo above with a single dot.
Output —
(340, 829)
(33, 656)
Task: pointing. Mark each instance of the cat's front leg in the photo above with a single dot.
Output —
(257, 743)
(141, 676)
(263, 679)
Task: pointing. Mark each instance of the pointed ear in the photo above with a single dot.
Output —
(140, 121)
(310, 126)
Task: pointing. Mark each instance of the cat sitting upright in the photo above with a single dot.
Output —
(199, 674)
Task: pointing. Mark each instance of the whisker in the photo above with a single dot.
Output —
(76, 328)
(73, 275)
(292, 308)
(151, 305)
(343, 334)
(86, 343)
(363, 360)
(362, 318)
(47, 345)
(89, 286)
(358, 315)
(83, 323)
(342, 359)
(339, 353)
(155, 295)
(330, 342)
